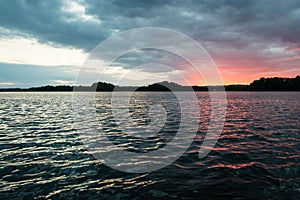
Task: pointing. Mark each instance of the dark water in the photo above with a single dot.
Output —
(256, 157)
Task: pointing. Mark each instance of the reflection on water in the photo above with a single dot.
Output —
(256, 157)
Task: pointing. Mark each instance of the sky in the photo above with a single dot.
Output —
(46, 42)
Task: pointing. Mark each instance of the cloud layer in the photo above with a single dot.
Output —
(246, 39)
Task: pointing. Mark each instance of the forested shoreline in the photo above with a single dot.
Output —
(263, 84)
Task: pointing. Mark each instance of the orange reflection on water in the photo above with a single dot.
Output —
(236, 166)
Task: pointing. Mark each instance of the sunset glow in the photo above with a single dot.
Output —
(243, 45)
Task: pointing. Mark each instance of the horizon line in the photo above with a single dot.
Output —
(149, 84)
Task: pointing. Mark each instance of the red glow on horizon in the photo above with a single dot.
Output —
(239, 75)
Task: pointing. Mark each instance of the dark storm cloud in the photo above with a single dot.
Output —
(205, 19)
(145, 56)
(218, 21)
(47, 21)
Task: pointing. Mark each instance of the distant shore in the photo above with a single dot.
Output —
(263, 84)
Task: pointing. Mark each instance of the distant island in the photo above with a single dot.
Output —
(263, 84)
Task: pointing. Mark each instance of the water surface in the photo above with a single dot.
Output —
(256, 157)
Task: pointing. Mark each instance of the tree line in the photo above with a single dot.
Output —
(263, 84)
(276, 84)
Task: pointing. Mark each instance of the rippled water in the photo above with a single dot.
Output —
(257, 156)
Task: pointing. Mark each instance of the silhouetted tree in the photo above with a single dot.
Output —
(102, 86)
(276, 84)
